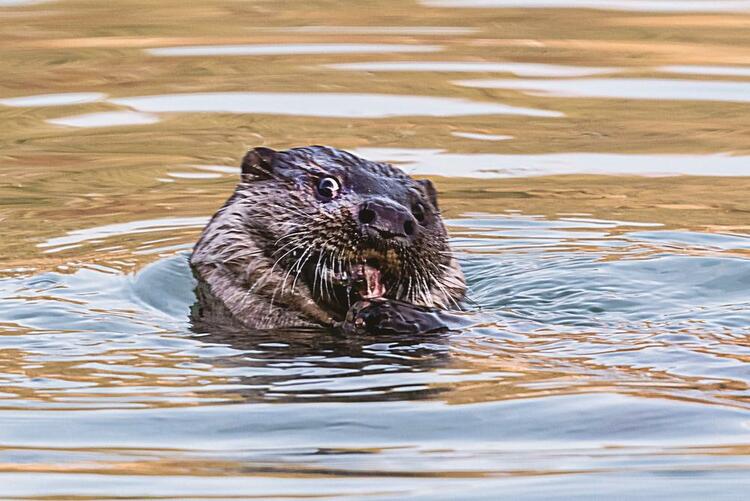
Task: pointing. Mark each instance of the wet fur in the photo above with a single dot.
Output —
(266, 258)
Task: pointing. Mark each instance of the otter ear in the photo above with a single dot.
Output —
(258, 164)
(430, 191)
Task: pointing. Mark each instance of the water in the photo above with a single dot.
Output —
(593, 168)
(626, 88)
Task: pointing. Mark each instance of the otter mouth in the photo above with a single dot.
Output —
(365, 278)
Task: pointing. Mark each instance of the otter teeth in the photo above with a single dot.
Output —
(364, 277)
(375, 287)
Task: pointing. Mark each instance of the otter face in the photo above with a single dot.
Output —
(348, 228)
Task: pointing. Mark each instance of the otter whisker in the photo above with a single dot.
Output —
(259, 281)
(409, 291)
(305, 216)
(290, 235)
(317, 276)
(336, 268)
(445, 292)
(424, 292)
(283, 283)
(289, 271)
(301, 267)
(293, 249)
(292, 244)
(327, 283)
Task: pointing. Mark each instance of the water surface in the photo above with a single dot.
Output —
(625, 5)
(339, 105)
(626, 88)
(280, 49)
(592, 159)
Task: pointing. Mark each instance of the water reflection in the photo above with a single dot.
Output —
(66, 99)
(10, 3)
(288, 366)
(604, 350)
(106, 119)
(282, 49)
(228, 459)
(626, 5)
(520, 69)
(223, 169)
(599, 285)
(592, 314)
(481, 137)
(488, 165)
(135, 227)
(324, 105)
(194, 175)
(380, 30)
(730, 71)
(626, 88)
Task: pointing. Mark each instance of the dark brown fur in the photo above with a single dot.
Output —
(269, 256)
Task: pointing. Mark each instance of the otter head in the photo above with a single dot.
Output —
(349, 228)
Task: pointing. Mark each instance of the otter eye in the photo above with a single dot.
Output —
(417, 211)
(328, 188)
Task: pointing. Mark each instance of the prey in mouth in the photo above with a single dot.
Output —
(367, 280)
(371, 312)
(368, 277)
(364, 280)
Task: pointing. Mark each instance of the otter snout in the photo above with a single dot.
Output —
(387, 218)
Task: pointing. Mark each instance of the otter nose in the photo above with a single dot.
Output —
(389, 219)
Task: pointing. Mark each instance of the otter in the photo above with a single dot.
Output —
(315, 236)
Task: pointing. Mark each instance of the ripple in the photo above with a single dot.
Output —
(520, 69)
(380, 30)
(565, 329)
(284, 49)
(324, 105)
(606, 356)
(194, 175)
(40, 100)
(481, 137)
(688, 239)
(144, 226)
(624, 5)
(106, 119)
(11, 3)
(442, 163)
(625, 88)
(222, 169)
(733, 71)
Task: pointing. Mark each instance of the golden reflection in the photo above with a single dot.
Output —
(99, 198)
(116, 379)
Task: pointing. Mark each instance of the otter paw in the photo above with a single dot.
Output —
(384, 316)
